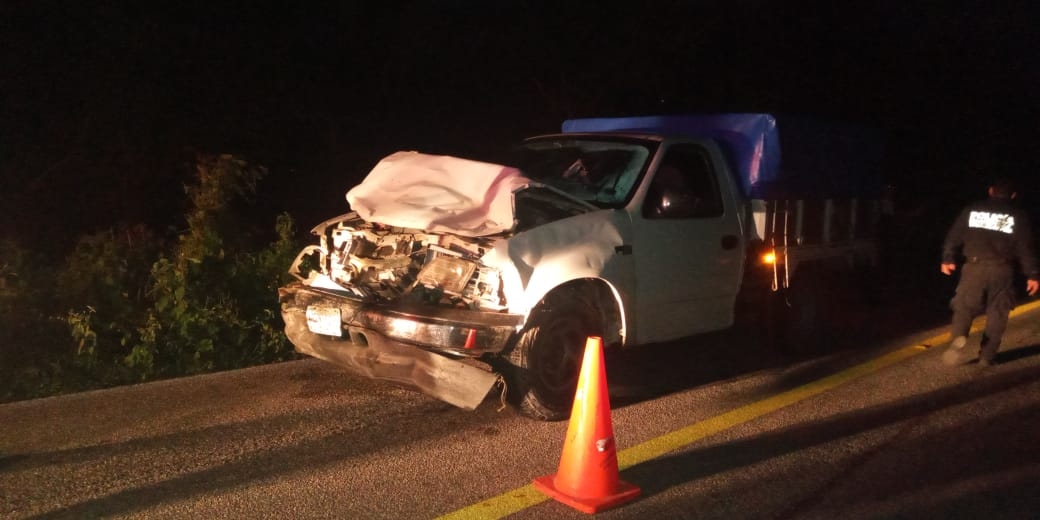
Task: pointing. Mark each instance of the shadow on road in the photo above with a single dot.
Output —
(227, 456)
(646, 372)
(659, 474)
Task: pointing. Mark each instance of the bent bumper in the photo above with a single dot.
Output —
(375, 343)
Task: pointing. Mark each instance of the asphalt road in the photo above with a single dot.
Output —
(717, 427)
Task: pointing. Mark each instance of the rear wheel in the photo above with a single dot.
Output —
(799, 319)
(546, 359)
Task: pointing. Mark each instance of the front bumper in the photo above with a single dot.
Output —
(417, 347)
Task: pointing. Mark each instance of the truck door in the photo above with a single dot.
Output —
(688, 247)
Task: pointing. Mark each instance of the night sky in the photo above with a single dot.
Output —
(104, 105)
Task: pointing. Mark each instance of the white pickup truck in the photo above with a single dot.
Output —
(452, 275)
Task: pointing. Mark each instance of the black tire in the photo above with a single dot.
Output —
(545, 361)
(799, 321)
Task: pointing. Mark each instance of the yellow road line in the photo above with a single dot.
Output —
(527, 496)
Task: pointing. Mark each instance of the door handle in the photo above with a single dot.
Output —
(730, 241)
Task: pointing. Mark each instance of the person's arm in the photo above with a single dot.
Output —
(1026, 253)
(954, 241)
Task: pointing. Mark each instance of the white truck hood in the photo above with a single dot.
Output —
(438, 193)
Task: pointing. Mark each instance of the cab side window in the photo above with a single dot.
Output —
(685, 186)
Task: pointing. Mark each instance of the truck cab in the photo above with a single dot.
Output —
(680, 216)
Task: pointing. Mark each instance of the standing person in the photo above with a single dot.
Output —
(991, 235)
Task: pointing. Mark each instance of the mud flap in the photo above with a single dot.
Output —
(440, 377)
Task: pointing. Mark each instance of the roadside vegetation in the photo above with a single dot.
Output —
(129, 304)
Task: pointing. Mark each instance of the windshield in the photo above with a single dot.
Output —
(600, 171)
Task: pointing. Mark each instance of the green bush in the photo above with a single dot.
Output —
(32, 338)
(128, 306)
(103, 284)
(215, 301)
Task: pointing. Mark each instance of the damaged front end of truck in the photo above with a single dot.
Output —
(416, 285)
(401, 305)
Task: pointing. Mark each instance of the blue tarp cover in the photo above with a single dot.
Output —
(820, 159)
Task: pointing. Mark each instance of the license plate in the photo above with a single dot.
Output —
(324, 320)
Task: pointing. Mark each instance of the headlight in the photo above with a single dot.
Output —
(449, 273)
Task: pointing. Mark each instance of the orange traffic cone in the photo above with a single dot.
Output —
(587, 478)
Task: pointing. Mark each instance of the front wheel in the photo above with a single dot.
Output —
(546, 359)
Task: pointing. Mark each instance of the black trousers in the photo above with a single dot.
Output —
(989, 288)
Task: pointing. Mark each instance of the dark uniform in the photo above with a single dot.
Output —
(991, 235)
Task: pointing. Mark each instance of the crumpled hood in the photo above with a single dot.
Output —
(439, 193)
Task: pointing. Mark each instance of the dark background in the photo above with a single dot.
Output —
(103, 105)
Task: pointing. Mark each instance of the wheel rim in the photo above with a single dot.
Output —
(558, 357)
